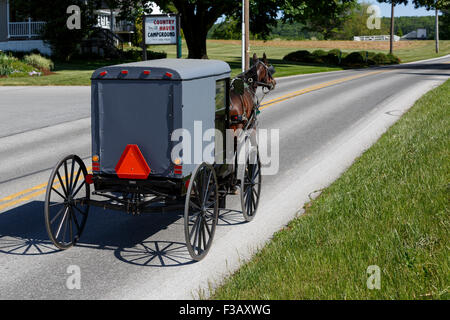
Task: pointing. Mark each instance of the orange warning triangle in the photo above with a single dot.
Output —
(132, 164)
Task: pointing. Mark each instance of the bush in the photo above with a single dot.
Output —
(332, 57)
(335, 52)
(38, 61)
(6, 69)
(393, 59)
(303, 56)
(297, 56)
(354, 59)
(11, 66)
(136, 54)
(319, 53)
(21, 54)
(380, 59)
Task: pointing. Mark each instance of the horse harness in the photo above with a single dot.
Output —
(248, 81)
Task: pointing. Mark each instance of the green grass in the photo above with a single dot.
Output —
(79, 72)
(424, 52)
(76, 73)
(390, 209)
(231, 53)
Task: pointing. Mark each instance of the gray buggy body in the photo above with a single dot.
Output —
(136, 111)
(142, 103)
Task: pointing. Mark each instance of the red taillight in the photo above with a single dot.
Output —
(146, 72)
(168, 74)
(178, 169)
(95, 166)
(103, 73)
(124, 72)
(89, 179)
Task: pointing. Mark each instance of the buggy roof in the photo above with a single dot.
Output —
(168, 69)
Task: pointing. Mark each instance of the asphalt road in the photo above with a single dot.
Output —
(324, 120)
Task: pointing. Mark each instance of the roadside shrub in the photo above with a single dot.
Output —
(383, 59)
(319, 53)
(332, 57)
(354, 59)
(380, 59)
(303, 56)
(136, 54)
(297, 56)
(335, 52)
(38, 61)
(152, 55)
(393, 59)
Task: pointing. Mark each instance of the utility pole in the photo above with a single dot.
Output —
(245, 35)
(391, 48)
(437, 28)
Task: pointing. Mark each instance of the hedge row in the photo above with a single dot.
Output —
(337, 57)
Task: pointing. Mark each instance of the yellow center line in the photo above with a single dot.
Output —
(28, 197)
(39, 189)
(290, 95)
(18, 194)
(317, 87)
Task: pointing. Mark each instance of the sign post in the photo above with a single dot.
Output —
(161, 29)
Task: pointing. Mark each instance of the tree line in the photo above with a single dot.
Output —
(230, 30)
(326, 19)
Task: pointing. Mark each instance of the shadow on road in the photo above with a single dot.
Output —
(22, 232)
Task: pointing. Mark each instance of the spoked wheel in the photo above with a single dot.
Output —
(251, 186)
(201, 211)
(67, 202)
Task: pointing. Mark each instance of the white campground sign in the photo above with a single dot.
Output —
(161, 29)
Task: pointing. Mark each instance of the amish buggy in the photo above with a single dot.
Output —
(136, 107)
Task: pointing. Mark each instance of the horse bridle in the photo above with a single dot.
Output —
(269, 72)
(238, 119)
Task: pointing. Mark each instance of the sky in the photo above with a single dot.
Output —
(401, 10)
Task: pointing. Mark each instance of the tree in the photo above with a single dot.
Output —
(393, 4)
(445, 24)
(63, 41)
(322, 16)
(356, 24)
(434, 5)
(198, 16)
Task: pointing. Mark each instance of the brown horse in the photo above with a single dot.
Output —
(242, 105)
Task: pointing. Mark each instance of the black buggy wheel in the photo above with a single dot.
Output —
(67, 202)
(251, 186)
(201, 211)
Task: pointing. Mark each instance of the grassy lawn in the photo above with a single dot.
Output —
(389, 209)
(79, 72)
